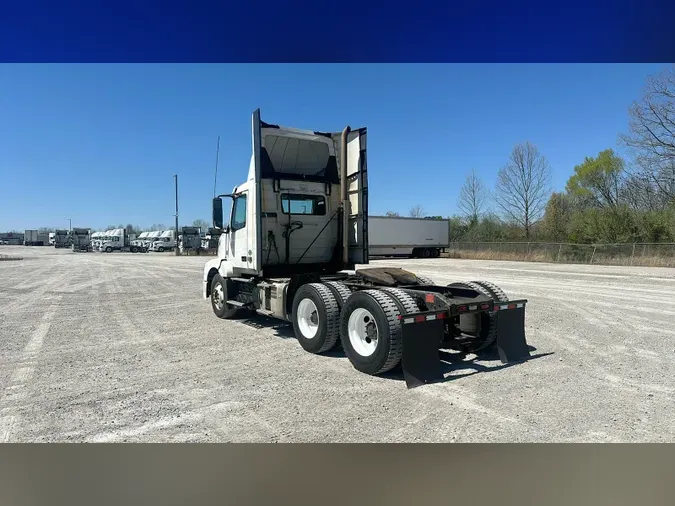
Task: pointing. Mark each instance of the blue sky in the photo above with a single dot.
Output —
(100, 143)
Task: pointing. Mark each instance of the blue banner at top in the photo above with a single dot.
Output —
(203, 31)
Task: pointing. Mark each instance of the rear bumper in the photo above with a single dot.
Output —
(422, 333)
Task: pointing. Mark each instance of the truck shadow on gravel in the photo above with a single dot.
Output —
(451, 362)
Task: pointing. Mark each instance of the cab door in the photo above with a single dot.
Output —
(238, 233)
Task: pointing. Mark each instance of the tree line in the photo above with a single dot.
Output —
(607, 199)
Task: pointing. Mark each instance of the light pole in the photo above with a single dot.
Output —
(70, 225)
(175, 177)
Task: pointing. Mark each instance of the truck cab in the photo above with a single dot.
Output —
(165, 242)
(61, 239)
(284, 219)
(113, 240)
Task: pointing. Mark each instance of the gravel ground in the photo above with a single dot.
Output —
(121, 347)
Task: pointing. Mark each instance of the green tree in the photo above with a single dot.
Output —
(557, 217)
(598, 181)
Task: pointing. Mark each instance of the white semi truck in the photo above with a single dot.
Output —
(410, 237)
(139, 241)
(191, 240)
(104, 236)
(94, 240)
(165, 242)
(298, 229)
(119, 240)
(80, 239)
(61, 239)
(150, 238)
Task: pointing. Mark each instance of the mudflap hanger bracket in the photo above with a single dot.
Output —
(423, 332)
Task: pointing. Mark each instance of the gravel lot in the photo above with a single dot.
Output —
(121, 347)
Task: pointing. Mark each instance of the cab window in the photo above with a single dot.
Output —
(303, 204)
(238, 213)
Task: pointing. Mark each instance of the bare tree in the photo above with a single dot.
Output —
(203, 225)
(391, 214)
(522, 187)
(471, 201)
(417, 212)
(651, 134)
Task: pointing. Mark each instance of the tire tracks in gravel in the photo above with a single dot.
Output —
(16, 391)
(36, 290)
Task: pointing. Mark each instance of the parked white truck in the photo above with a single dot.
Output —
(62, 239)
(411, 237)
(80, 239)
(165, 242)
(94, 240)
(104, 236)
(297, 229)
(191, 240)
(139, 241)
(150, 238)
(119, 240)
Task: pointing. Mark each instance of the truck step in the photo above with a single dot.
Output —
(265, 312)
(235, 303)
(242, 280)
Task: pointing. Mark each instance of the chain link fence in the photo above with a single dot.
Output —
(644, 254)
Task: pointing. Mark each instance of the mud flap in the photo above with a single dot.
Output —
(511, 342)
(421, 361)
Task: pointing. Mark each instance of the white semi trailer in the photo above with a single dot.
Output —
(410, 237)
(297, 229)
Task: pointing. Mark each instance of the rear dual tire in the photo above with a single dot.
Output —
(366, 323)
(316, 318)
(370, 331)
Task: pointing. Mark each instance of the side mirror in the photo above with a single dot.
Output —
(218, 212)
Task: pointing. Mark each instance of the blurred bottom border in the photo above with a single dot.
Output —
(340, 474)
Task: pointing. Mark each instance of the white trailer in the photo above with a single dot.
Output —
(298, 229)
(411, 237)
(31, 238)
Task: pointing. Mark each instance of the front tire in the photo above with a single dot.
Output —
(371, 332)
(108, 249)
(219, 297)
(160, 249)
